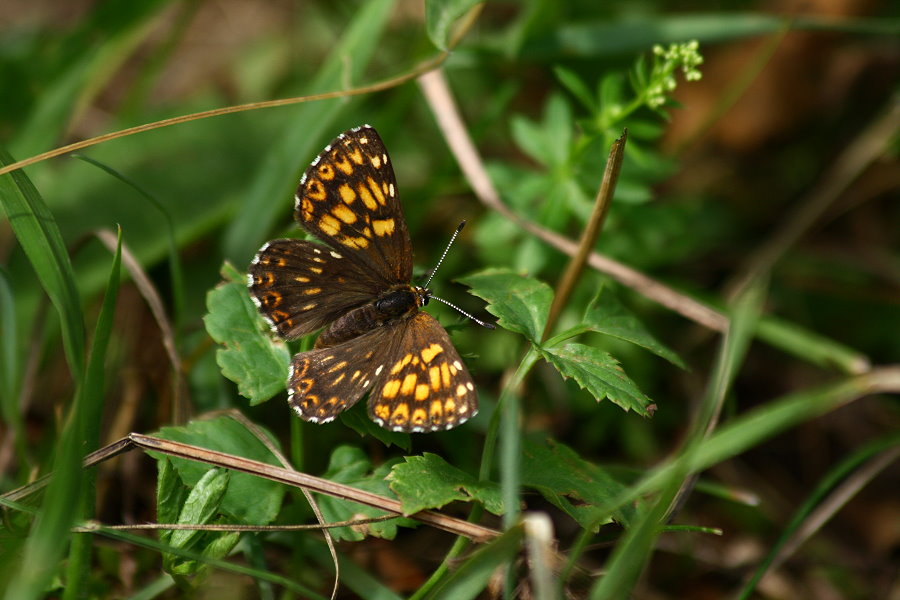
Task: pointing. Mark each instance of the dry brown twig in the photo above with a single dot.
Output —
(474, 532)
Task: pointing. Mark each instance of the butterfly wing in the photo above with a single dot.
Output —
(300, 286)
(348, 199)
(326, 381)
(424, 386)
(417, 378)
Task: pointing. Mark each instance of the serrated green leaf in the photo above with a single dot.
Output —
(571, 483)
(351, 466)
(248, 499)
(598, 373)
(440, 16)
(428, 481)
(605, 314)
(253, 359)
(519, 302)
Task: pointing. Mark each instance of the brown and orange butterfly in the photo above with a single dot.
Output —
(357, 287)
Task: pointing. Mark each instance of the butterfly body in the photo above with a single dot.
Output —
(391, 308)
(375, 337)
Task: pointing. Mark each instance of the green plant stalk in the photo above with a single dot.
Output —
(510, 439)
(602, 202)
(459, 545)
(831, 479)
(91, 413)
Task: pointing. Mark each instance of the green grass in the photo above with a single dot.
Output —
(604, 421)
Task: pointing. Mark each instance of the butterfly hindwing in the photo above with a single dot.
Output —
(424, 385)
(348, 198)
(326, 381)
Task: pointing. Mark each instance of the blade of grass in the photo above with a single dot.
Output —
(38, 234)
(10, 369)
(818, 495)
(91, 414)
(635, 550)
(765, 421)
(475, 573)
(84, 68)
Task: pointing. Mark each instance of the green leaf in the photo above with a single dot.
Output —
(440, 16)
(549, 140)
(170, 495)
(572, 82)
(520, 303)
(571, 483)
(201, 505)
(605, 314)
(248, 499)
(256, 361)
(351, 466)
(598, 373)
(428, 481)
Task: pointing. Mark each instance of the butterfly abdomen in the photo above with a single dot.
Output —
(397, 304)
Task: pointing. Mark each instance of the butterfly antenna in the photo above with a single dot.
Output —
(446, 250)
(464, 313)
(434, 270)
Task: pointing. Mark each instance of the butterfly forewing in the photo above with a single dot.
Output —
(348, 198)
(301, 286)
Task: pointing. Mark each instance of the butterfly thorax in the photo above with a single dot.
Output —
(397, 304)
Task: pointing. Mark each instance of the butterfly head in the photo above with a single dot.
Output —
(423, 295)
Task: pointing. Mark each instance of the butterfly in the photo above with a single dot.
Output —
(356, 288)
